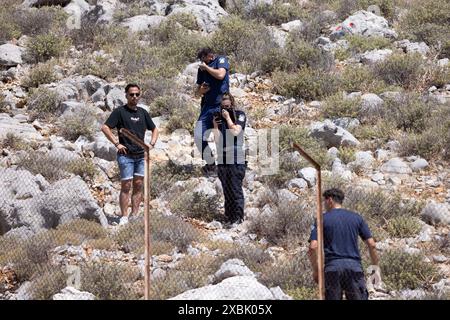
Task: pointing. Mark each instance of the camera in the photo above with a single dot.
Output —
(218, 116)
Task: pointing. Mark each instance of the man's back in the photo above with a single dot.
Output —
(341, 229)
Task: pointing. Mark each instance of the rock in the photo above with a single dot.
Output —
(279, 36)
(91, 84)
(143, 22)
(76, 9)
(440, 258)
(340, 170)
(232, 268)
(377, 177)
(347, 123)
(310, 175)
(234, 288)
(102, 148)
(10, 55)
(103, 11)
(67, 200)
(397, 166)
(71, 107)
(396, 181)
(363, 23)
(436, 213)
(426, 233)
(363, 160)
(410, 47)
(382, 155)
(22, 233)
(285, 196)
(115, 97)
(292, 26)
(371, 105)
(70, 293)
(443, 62)
(419, 164)
(63, 155)
(25, 131)
(158, 273)
(279, 294)
(297, 183)
(207, 13)
(374, 56)
(442, 286)
(332, 135)
(417, 294)
(205, 187)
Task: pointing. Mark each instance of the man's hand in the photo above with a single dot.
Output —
(203, 88)
(121, 149)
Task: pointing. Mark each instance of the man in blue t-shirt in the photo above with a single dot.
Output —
(343, 269)
(212, 83)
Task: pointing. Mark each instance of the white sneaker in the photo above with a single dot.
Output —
(123, 221)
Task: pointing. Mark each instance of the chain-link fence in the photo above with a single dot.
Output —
(60, 233)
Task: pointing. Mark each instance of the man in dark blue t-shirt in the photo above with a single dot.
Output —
(212, 83)
(343, 269)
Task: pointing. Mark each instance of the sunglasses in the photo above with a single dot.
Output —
(134, 94)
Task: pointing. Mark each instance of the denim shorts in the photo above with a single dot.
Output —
(130, 167)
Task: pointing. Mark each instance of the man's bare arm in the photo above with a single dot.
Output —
(312, 254)
(372, 251)
(219, 74)
(155, 134)
(109, 135)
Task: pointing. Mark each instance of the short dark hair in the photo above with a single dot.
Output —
(131, 85)
(336, 194)
(204, 52)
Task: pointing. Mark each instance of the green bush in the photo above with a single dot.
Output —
(408, 112)
(84, 168)
(43, 103)
(51, 282)
(300, 53)
(196, 205)
(45, 46)
(98, 65)
(41, 21)
(403, 227)
(337, 106)
(345, 8)
(133, 8)
(14, 142)
(402, 270)
(40, 163)
(183, 117)
(347, 154)
(9, 24)
(85, 228)
(254, 257)
(164, 175)
(289, 225)
(172, 231)
(81, 123)
(241, 40)
(307, 83)
(427, 21)
(290, 274)
(402, 70)
(360, 44)
(187, 20)
(108, 281)
(377, 206)
(361, 78)
(42, 73)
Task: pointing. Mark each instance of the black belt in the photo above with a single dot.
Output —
(135, 155)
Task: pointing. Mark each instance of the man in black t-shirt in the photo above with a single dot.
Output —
(343, 269)
(130, 156)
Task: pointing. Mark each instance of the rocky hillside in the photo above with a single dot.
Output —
(363, 86)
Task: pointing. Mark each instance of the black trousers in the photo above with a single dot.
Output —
(347, 281)
(231, 176)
